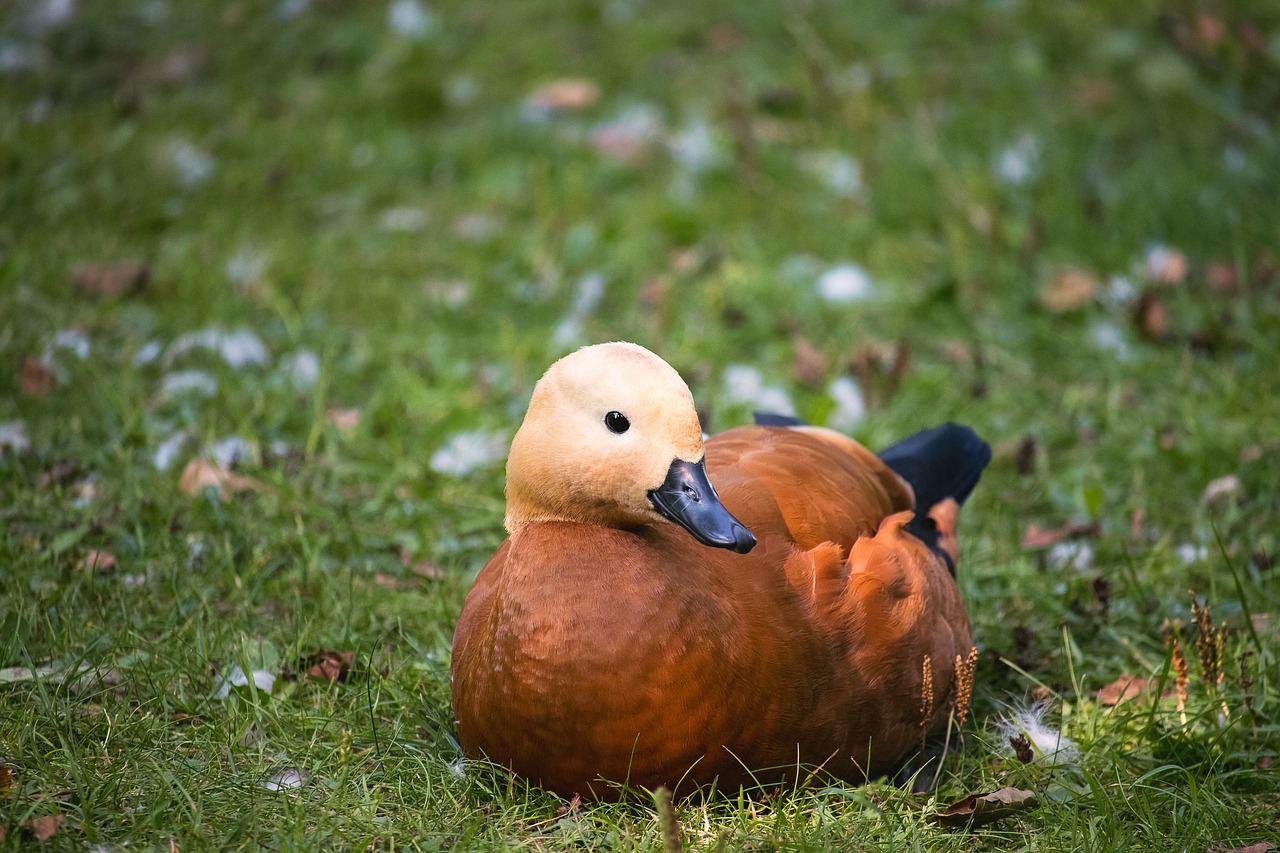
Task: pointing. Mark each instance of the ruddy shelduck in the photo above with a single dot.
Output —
(642, 626)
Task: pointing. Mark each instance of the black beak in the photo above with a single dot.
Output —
(688, 498)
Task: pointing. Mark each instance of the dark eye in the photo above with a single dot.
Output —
(617, 422)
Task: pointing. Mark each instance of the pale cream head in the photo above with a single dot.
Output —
(567, 465)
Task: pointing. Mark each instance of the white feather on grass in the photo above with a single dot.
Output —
(1050, 745)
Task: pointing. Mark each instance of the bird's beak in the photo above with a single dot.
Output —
(688, 498)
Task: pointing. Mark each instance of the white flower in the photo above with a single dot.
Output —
(744, 384)
(238, 349)
(841, 174)
(845, 283)
(1074, 555)
(230, 451)
(285, 779)
(194, 165)
(695, 147)
(147, 353)
(13, 436)
(410, 19)
(468, 451)
(850, 408)
(403, 219)
(183, 381)
(1017, 163)
(246, 266)
(167, 453)
(302, 368)
(261, 679)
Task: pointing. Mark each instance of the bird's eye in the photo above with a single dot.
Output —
(617, 422)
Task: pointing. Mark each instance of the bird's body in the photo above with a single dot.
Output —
(632, 653)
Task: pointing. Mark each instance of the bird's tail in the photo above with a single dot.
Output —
(942, 466)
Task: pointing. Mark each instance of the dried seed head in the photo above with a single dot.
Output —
(926, 698)
(1179, 673)
(1209, 643)
(964, 684)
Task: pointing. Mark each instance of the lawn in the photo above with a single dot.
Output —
(277, 277)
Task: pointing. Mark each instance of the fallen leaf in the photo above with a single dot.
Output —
(1069, 290)
(808, 364)
(35, 378)
(425, 570)
(978, 809)
(723, 37)
(393, 582)
(327, 665)
(201, 474)
(1123, 689)
(6, 781)
(97, 561)
(1151, 316)
(566, 95)
(1041, 537)
(1093, 91)
(1260, 847)
(1222, 277)
(1024, 461)
(44, 828)
(115, 279)
(344, 419)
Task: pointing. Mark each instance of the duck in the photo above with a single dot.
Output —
(672, 610)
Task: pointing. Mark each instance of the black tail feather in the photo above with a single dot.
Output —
(939, 463)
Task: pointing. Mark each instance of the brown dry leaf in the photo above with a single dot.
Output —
(1123, 689)
(1260, 847)
(1222, 277)
(97, 561)
(343, 419)
(201, 474)
(44, 828)
(1151, 316)
(327, 665)
(1041, 537)
(6, 781)
(566, 95)
(1166, 266)
(977, 809)
(114, 279)
(393, 582)
(725, 37)
(425, 570)
(1069, 290)
(808, 364)
(957, 352)
(1024, 461)
(35, 378)
(1093, 91)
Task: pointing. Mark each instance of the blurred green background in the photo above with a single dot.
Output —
(331, 245)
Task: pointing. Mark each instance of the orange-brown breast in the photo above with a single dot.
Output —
(641, 656)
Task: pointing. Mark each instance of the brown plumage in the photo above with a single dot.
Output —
(606, 645)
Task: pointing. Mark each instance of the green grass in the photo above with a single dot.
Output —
(323, 128)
